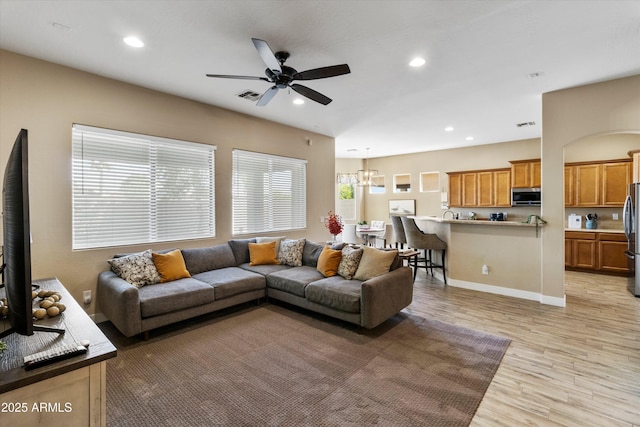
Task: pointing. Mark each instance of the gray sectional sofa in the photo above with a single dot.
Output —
(222, 276)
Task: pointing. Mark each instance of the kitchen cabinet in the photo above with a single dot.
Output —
(581, 251)
(635, 156)
(597, 184)
(616, 177)
(526, 173)
(598, 252)
(455, 189)
(611, 249)
(469, 189)
(485, 188)
(569, 190)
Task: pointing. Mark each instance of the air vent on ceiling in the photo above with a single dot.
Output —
(249, 95)
(520, 125)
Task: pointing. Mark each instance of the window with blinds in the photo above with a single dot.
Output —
(269, 193)
(132, 189)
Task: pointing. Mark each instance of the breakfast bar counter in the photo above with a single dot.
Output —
(501, 257)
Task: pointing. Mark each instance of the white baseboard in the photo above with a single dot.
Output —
(509, 292)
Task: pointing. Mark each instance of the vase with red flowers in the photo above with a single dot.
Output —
(334, 223)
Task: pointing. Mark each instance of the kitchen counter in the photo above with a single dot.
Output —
(475, 222)
(596, 230)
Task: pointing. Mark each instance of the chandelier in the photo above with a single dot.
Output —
(363, 178)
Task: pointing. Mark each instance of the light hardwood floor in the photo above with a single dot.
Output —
(572, 366)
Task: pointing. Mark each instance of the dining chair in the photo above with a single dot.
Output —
(372, 238)
(425, 242)
(398, 231)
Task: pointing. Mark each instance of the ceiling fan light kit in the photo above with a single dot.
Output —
(282, 76)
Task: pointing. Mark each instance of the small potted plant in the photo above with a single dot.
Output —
(334, 224)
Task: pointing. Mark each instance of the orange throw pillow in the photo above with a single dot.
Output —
(329, 261)
(171, 266)
(263, 254)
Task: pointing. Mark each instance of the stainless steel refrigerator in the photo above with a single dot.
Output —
(631, 219)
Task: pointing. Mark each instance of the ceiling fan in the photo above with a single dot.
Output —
(282, 76)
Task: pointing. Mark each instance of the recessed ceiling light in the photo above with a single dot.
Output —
(298, 101)
(469, 138)
(417, 62)
(448, 129)
(133, 41)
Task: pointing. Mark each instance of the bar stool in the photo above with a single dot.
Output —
(427, 242)
(398, 231)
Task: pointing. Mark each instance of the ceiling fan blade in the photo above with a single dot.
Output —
(322, 72)
(226, 76)
(267, 55)
(311, 94)
(266, 97)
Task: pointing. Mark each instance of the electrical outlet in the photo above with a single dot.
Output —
(485, 269)
(615, 216)
(86, 297)
(323, 219)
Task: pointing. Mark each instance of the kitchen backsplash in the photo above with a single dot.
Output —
(605, 217)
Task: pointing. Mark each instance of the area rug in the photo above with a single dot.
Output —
(272, 366)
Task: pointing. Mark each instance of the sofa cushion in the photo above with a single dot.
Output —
(291, 252)
(240, 248)
(329, 261)
(310, 253)
(335, 292)
(170, 266)
(137, 269)
(211, 258)
(173, 296)
(231, 281)
(374, 262)
(350, 260)
(293, 280)
(263, 253)
(265, 270)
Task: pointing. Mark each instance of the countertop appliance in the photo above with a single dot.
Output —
(631, 218)
(526, 196)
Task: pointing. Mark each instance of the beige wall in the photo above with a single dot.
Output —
(569, 115)
(47, 99)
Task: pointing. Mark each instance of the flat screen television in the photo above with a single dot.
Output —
(16, 267)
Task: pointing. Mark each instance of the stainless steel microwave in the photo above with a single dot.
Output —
(526, 197)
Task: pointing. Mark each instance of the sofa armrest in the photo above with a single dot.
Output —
(384, 296)
(120, 303)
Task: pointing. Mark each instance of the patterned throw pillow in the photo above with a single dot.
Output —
(350, 260)
(137, 269)
(291, 252)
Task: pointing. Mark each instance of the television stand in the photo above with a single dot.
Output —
(73, 390)
(35, 329)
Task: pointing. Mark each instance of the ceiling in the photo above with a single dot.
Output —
(482, 58)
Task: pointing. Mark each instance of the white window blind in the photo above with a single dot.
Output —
(131, 189)
(269, 193)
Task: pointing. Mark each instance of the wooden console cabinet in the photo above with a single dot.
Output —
(70, 392)
(596, 251)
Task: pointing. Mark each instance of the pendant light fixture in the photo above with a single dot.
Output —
(365, 176)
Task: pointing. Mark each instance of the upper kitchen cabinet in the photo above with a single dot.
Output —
(525, 173)
(485, 188)
(597, 184)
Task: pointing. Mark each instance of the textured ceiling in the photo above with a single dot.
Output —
(479, 54)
